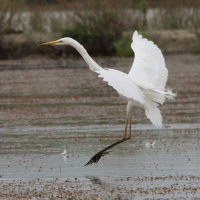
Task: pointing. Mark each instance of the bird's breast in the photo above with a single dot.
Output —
(132, 104)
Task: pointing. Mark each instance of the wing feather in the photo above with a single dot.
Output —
(122, 83)
(152, 112)
(149, 65)
(146, 80)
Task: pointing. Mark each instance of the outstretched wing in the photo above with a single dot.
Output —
(148, 69)
(122, 83)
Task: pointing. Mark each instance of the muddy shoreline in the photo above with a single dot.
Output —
(47, 105)
(60, 92)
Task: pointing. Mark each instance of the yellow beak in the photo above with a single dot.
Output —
(48, 43)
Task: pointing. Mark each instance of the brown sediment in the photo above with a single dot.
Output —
(124, 188)
(53, 93)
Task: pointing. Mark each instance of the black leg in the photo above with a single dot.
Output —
(103, 152)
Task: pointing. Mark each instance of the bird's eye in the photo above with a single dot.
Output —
(60, 41)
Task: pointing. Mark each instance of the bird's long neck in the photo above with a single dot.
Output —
(92, 64)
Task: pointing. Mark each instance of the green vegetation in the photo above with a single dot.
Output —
(37, 22)
(123, 47)
(97, 25)
(96, 30)
(56, 25)
(148, 35)
(143, 7)
(8, 9)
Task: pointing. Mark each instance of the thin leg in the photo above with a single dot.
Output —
(129, 136)
(103, 152)
(125, 130)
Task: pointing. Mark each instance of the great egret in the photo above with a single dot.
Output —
(143, 87)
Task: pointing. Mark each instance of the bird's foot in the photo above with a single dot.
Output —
(97, 157)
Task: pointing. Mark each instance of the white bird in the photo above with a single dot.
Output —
(64, 153)
(143, 87)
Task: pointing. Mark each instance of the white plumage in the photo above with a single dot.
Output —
(145, 83)
(64, 153)
(148, 67)
(143, 87)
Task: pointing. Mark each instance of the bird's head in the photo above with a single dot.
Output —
(62, 41)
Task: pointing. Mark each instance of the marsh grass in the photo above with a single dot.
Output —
(123, 47)
(56, 25)
(97, 30)
(143, 7)
(140, 14)
(99, 25)
(148, 35)
(175, 14)
(37, 21)
(8, 9)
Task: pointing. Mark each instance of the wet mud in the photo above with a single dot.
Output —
(49, 105)
(66, 92)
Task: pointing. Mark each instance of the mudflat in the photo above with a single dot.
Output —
(49, 105)
(65, 92)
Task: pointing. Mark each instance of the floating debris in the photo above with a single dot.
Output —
(64, 153)
(148, 144)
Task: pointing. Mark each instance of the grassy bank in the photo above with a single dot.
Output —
(100, 26)
(170, 42)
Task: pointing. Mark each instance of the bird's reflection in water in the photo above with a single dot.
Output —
(95, 180)
(65, 158)
(64, 155)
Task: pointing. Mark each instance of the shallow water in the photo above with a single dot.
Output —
(46, 108)
(33, 153)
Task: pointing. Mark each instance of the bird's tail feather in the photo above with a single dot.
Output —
(151, 107)
(152, 112)
(167, 93)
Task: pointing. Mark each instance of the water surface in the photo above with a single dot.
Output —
(48, 105)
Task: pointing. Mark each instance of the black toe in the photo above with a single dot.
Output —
(96, 157)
